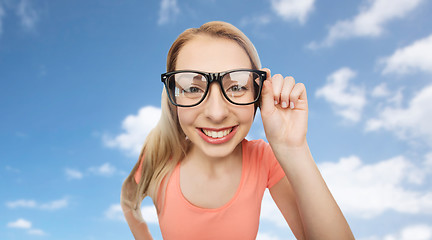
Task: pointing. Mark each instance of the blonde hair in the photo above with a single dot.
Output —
(166, 145)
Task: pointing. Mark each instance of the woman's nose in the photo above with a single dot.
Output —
(216, 105)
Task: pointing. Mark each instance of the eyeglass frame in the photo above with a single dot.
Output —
(214, 77)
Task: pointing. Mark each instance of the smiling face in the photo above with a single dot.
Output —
(215, 127)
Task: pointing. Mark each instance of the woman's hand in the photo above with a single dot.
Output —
(285, 125)
(284, 111)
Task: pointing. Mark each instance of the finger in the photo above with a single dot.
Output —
(267, 71)
(268, 77)
(267, 90)
(287, 87)
(267, 99)
(298, 93)
(277, 82)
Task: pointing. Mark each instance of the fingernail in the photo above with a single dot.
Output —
(291, 105)
(276, 102)
(284, 105)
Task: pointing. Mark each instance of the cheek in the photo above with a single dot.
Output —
(246, 114)
(185, 117)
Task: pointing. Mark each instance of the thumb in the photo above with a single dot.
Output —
(267, 98)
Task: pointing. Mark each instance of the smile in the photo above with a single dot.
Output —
(217, 136)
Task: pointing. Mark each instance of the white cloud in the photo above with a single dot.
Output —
(37, 232)
(369, 22)
(12, 169)
(53, 205)
(412, 122)
(270, 212)
(396, 98)
(391, 98)
(2, 14)
(297, 10)
(381, 91)
(288, 10)
(56, 204)
(27, 14)
(73, 174)
(21, 135)
(20, 223)
(412, 232)
(415, 57)
(415, 232)
(368, 190)
(25, 224)
(168, 11)
(21, 203)
(347, 100)
(105, 169)
(428, 161)
(259, 20)
(114, 212)
(136, 128)
(149, 214)
(266, 236)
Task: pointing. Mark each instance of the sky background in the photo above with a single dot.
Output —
(80, 89)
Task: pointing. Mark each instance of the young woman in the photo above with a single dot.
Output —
(206, 180)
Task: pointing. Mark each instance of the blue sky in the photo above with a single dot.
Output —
(80, 89)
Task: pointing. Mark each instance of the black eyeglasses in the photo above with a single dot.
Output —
(188, 88)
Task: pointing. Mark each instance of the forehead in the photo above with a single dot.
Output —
(212, 54)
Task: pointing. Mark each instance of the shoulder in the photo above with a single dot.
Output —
(257, 150)
(256, 146)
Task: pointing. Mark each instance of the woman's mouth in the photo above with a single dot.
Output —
(217, 136)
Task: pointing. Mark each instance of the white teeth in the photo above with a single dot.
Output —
(217, 134)
(214, 134)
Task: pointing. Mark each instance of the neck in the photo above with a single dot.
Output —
(213, 165)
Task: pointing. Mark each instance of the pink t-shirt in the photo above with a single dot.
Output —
(238, 218)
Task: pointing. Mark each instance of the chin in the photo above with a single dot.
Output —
(218, 150)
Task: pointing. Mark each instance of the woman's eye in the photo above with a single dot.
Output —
(193, 90)
(237, 88)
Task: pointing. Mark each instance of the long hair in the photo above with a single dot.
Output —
(166, 145)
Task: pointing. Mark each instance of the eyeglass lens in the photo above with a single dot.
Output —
(189, 88)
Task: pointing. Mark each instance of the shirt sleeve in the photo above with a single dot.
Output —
(276, 173)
